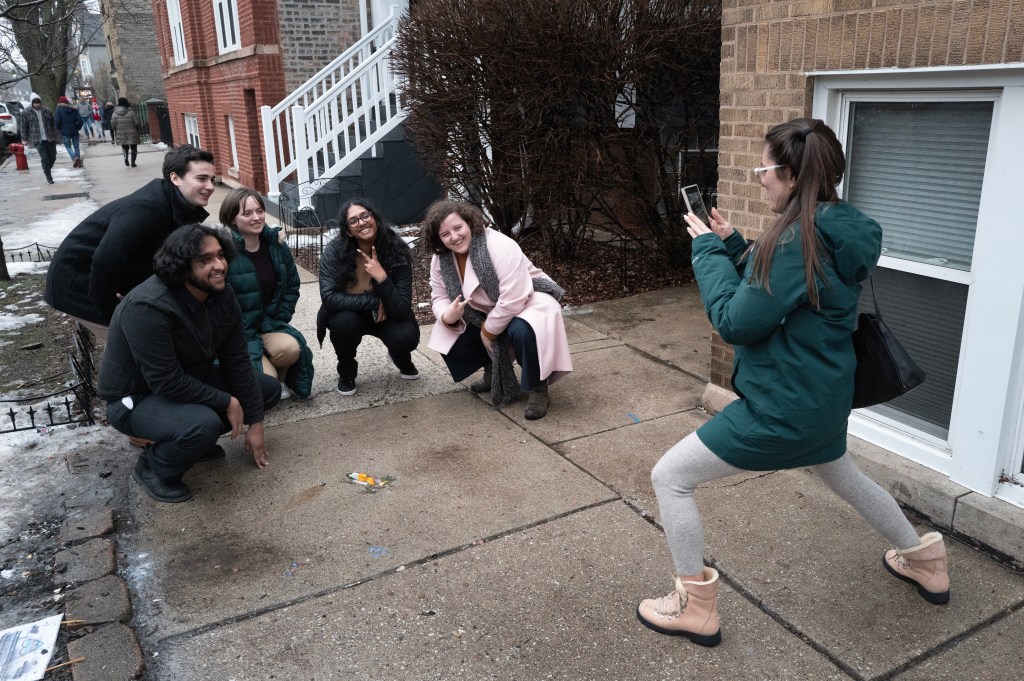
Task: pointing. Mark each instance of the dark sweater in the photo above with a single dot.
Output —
(162, 341)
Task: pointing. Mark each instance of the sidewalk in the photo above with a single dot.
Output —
(513, 549)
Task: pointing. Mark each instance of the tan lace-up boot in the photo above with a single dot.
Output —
(923, 566)
(689, 611)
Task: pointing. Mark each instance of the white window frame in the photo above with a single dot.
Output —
(177, 32)
(225, 14)
(234, 145)
(192, 130)
(986, 430)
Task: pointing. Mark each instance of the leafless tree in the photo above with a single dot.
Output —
(40, 32)
(565, 117)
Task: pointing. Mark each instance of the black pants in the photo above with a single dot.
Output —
(47, 155)
(133, 149)
(348, 327)
(469, 355)
(183, 433)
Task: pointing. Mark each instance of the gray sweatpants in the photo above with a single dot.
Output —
(689, 464)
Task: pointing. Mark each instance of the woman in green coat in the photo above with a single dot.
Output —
(266, 284)
(788, 305)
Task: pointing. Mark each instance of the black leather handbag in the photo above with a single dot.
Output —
(885, 369)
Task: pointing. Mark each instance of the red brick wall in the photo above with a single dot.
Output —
(767, 46)
(213, 86)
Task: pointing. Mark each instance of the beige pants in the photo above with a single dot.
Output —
(280, 351)
(100, 332)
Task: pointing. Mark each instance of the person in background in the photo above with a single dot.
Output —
(490, 301)
(366, 289)
(84, 108)
(125, 128)
(108, 110)
(266, 285)
(40, 131)
(788, 305)
(176, 374)
(111, 251)
(69, 122)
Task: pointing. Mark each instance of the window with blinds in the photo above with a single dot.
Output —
(917, 168)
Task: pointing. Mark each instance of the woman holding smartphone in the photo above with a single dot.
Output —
(788, 305)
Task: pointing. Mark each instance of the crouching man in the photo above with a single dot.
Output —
(158, 374)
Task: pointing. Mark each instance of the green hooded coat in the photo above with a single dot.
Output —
(275, 317)
(794, 364)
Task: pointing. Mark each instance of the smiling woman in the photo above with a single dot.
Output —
(366, 288)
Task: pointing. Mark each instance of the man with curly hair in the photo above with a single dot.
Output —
(176, 371)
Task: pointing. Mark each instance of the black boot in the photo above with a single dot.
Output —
(537, 404)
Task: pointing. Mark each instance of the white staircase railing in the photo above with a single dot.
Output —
(335, 117)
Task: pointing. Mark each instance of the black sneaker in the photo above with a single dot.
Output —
(347, 387)
(167, 492)
(409, 373)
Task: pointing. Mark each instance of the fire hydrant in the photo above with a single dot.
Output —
(20, 160)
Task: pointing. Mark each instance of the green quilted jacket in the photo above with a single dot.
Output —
(276, 316)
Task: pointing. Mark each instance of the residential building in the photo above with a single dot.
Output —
(926, 97)
(224, 59)
(135, 66)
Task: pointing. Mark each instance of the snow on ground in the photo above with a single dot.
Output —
(33, 471)
(13, 321)
(50, 230)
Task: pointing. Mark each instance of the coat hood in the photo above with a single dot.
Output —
(851, 238)
(121, 110)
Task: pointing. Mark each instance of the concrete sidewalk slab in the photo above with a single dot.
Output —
(553, 601)
(610, 388)
(669, 324)
(814, 562)
(462, 472)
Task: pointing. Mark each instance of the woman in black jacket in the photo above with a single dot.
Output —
(366, 288)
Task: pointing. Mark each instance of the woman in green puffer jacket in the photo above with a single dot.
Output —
(788, 305)
(266, 284)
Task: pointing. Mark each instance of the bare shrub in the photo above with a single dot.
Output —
(567, 117)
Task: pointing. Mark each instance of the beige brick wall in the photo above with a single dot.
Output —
(768, 46)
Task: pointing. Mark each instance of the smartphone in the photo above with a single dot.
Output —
(695, 203)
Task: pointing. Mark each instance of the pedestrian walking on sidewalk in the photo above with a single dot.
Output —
(40, 131)
(125, 128)
(266, 284)
(69, 123)
(84, 108)
(366, 290)
(108, 111)
(492, 303)
(788, 305)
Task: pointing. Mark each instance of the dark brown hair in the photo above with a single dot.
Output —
(233, 203)
(439, 210)
(808, 152)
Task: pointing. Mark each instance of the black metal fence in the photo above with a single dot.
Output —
(36, 252)
(311, 227)
(69, 405)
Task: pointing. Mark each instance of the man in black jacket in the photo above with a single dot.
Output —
(111, 251)
(158, 374)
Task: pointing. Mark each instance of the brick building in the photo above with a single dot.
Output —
(923, 94)
(223, 59)
(134, 68)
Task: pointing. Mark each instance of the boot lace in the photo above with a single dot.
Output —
(671, 605)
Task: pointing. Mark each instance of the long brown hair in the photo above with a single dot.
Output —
(809, 152)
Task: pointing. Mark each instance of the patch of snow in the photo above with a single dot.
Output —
(50, 230)
(13, 321)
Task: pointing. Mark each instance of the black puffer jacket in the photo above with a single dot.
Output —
(395, 292)
(111, 251)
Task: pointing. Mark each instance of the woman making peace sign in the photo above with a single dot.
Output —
(366, 288)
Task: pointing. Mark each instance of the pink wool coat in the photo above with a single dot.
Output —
(516, 298)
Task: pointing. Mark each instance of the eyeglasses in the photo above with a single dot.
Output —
(356, 219)
(759, 172)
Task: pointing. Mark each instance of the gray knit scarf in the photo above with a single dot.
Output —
(504, 385)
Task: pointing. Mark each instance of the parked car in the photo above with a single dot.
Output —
(9, 119)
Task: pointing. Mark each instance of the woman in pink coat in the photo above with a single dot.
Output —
(492, 303)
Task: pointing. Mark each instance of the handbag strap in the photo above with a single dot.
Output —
(878, 312)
